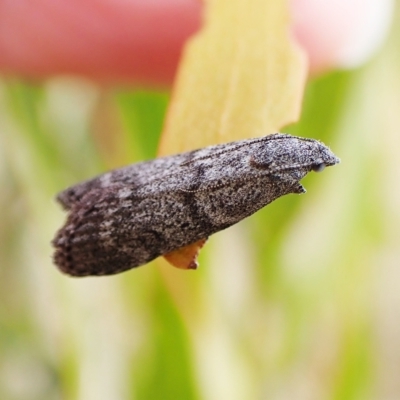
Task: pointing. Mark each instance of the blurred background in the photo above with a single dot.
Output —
(300, 301)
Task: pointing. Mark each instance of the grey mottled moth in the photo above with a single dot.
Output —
(129, 216)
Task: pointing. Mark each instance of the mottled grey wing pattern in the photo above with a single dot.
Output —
(134, 176)
(128, 217)
(105, 234)
(141, 174)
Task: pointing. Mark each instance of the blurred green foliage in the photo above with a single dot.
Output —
(300, 301)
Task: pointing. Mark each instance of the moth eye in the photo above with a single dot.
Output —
(318, 167)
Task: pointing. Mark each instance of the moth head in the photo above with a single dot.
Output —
(312, 155)
(291, 158)
(288, 159)
(321, 156)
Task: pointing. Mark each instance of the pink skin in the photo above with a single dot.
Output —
(138, 41)
(333, 23)
(340, 33)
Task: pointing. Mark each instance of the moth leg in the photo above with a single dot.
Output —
(186, 257)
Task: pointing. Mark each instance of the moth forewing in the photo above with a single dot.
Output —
(170, 206)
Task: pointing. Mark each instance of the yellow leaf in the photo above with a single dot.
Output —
(241, 76)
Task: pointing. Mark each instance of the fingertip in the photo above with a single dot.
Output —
(340, 33)
(124, 41)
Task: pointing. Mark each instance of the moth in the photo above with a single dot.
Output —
(169, 206)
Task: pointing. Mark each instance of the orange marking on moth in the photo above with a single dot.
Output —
(186, 257)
